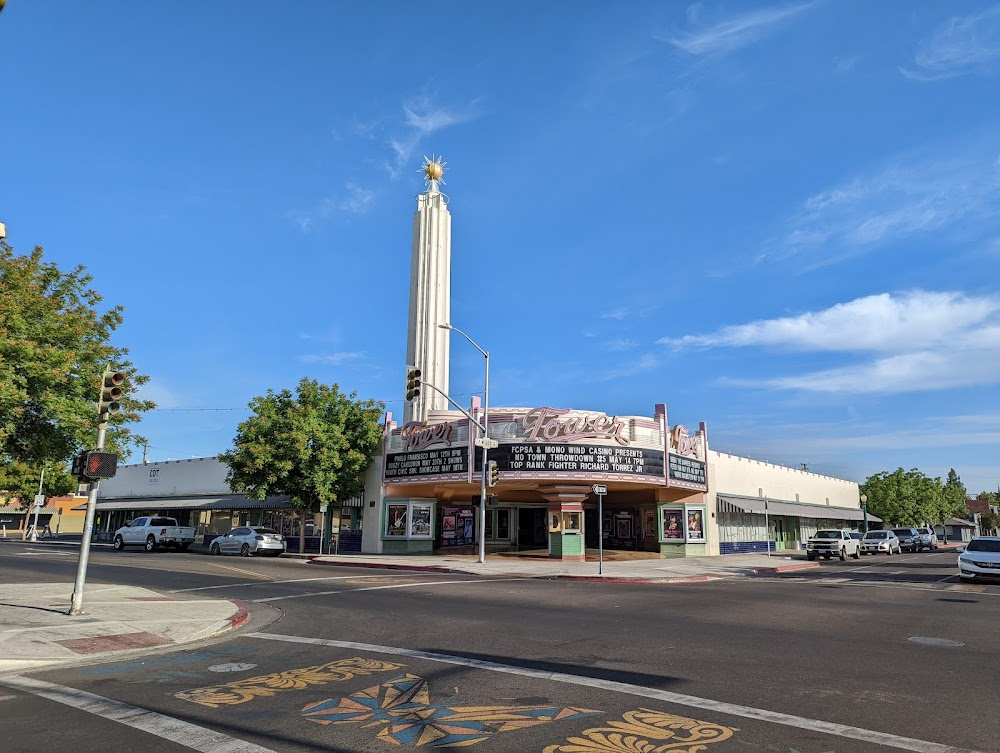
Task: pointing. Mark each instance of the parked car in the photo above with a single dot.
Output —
(249, 540)
(928, 539)
(980, 558)
(909, 539)
(152, 532)
(874, 542)
(833, 542)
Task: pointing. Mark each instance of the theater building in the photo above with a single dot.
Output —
(666, 493)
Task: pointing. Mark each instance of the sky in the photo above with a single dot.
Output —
(779, 218)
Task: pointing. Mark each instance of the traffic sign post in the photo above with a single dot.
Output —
(600, 490)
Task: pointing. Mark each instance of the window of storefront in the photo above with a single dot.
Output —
(409, 520)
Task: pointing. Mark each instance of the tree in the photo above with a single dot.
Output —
(953, 496)
(907, 498)
(314, 446)
(54, 348)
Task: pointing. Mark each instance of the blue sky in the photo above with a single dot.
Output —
(778, 218)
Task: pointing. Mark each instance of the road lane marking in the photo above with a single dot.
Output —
(7, 697)
(240, 570)
(166, 727)
(707, 704)
(379, 588)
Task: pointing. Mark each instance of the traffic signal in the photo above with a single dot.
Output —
(95, 464)
(111, 391)
(492, 473)
(412, 383)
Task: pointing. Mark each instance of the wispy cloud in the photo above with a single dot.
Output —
(618, 314)
(962, 45)
(422, 117)
(734, 32)
(357, 201)
(333, 359)
(632, 367)
(883, 323)
(620, 344)
(916, 194)
(922, 341)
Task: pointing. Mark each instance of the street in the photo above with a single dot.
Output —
(885, 653)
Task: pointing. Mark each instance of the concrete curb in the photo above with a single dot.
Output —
(314, 560)
(784, 568)
(625, 579)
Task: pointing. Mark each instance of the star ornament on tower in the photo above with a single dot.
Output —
(433, 169)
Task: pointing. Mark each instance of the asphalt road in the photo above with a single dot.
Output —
(888, 653)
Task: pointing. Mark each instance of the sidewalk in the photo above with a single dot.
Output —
(36, 632)
(647, 570)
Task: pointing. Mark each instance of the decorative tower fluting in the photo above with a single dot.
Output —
(430, 294)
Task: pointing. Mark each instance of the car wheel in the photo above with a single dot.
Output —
(119, 543)
(245, 550)
(150, 543)
(857, 554)
(182, 547)
(214, 549)
(810, 556)
(843, 554)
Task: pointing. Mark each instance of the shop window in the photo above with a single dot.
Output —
(503, 524)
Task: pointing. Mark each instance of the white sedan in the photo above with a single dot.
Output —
(980, 558)
(249, 540)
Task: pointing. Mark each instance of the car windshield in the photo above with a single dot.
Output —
(827, 534)
(984, 545)
(875, 535)
(260, 529)
(924, 530)
(902, 531)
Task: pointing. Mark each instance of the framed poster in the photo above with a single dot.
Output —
(672, 527)
(420, 520)
(648, 524)
(623, 528)
(395, 520)
(696, 524)
(448, 526)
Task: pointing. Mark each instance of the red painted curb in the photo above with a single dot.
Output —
(241, 616)
(784, 568)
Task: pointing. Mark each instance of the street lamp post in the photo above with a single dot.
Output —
(864, 509)
(486, 418)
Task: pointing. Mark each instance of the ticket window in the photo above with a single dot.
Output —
(566, 522)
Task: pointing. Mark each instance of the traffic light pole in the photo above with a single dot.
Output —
(76, 606)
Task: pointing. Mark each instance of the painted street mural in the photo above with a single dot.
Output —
(403, 711)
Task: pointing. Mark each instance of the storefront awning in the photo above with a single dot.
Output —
(758, 506)
(224, 502)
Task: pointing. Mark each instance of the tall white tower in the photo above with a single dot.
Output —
(430, 294)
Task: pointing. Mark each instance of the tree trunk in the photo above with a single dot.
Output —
(302, 538)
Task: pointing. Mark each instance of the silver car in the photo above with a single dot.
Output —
(874, 542)
(928, 539)
(249, 540)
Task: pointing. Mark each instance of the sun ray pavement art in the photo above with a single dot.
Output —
(402, 708)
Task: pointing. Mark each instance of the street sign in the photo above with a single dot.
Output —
(322, 507)
(599, 489)
(39, 500)
(487, 443)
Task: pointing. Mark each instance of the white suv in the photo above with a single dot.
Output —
(928, 539)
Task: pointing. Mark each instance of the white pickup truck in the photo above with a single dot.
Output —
(833, 542)
(153, 532)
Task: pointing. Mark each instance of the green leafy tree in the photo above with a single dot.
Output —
(953, 496)
(314, 446)
(54, 348)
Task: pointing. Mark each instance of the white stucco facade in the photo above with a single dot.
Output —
(430, 302)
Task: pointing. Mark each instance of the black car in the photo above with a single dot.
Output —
(909, 539)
